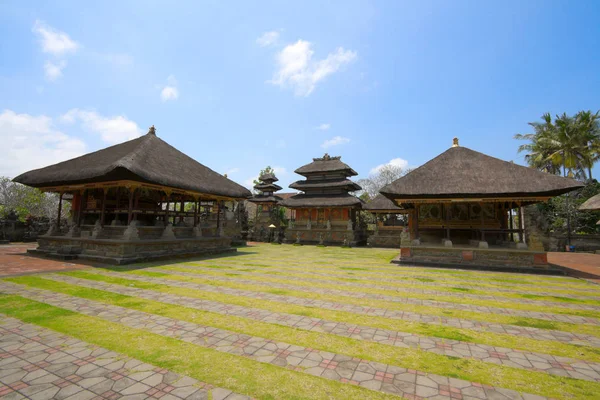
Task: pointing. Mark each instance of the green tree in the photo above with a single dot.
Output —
(267, 170)
(26, 201)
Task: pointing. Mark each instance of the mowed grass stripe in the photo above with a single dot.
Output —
(500, 289)
(467, 369)
(240, 374)
(493, 339)
(591, 330)
(325, 284)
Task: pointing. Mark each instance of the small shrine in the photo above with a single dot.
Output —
(465, 208)
(138, 200)
(325, 212)
(267, 221)
(389, 222)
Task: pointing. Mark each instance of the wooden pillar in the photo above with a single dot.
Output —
(60, 197)
(196, 213)
(521, 225)
(130, 209)
(80, 211)
(482, 223)
(447, 212)
(218, 216)
(181, 209)
(104, 190)
(167, 208)
(136, 200)
(416, 221)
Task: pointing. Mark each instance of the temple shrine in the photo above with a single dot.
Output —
(465, 209)
(325, 212)
(267, 209)
(389, 222)
(138, 200)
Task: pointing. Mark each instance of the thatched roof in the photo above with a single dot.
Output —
(465, 173)
(326, 164)
(267, 187)
(265, 199)
(382, 203)
(337, 200)
(270, 177)
(591, 204)
(345, 183)
(145, 159)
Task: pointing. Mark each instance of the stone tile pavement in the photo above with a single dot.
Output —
(578, 264)
(532, 333)
(562, 366)
(410, 384)
(39, 364)
(407, 300)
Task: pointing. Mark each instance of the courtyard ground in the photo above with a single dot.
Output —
(294, 322)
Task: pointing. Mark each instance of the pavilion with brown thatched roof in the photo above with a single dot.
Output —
(462, 206)
(138, 200)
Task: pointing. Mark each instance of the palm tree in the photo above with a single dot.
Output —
(589, 126)
(540, 145)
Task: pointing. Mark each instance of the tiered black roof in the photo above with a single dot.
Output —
(327, 185)
(266, 188)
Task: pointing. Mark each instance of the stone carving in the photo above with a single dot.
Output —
(197, 231)
(328, 225)
(131, 233)
(297, 237)
(309, 225)
(349, 224)
(405, 237)
(97, 231)
(74, 231)
(52, 231)
(346, 243)
(321, 239)
(168, 232)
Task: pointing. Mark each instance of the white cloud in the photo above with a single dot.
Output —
(324, 127)
(280, 170)
(297, 70)
(170, 91)
(337, 140)
(268, 39)
(53, 70)
(232, 171)
(54, 41)
(31, 142)
(396, 162)
(112, 130)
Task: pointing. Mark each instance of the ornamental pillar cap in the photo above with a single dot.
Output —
(455, 142)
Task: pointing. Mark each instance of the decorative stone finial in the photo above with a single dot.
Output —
(152, 130)
(455, 142)
(225, 175)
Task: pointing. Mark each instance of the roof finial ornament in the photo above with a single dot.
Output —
(455, 142)
(152, 130)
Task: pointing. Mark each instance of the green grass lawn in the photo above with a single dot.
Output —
(295, 280)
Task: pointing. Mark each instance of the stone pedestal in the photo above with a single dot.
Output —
(97, 231)
(521, 246)
(197, 232)
(483, 245)
(415, 242)
(446, 243)
(74, 231)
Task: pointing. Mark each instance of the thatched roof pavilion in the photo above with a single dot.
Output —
(467, 198)
(157, 202)
(381, 204)
(591, 204)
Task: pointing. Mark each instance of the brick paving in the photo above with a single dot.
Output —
(578, 264)
(15, 261)
(532, 333)
(554, 365)
(410, 384)
(407, 300)
(39, 364)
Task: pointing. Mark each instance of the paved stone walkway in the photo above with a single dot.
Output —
(15, 261)
(40, 364)
(532, 333)
(586, 294)
(406, 300)
(554, 365)
(411, 384)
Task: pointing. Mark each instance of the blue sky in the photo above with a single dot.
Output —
(241, 85)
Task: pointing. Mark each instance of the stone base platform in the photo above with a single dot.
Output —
(126, 252)
(331, 237)
(503, 259)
